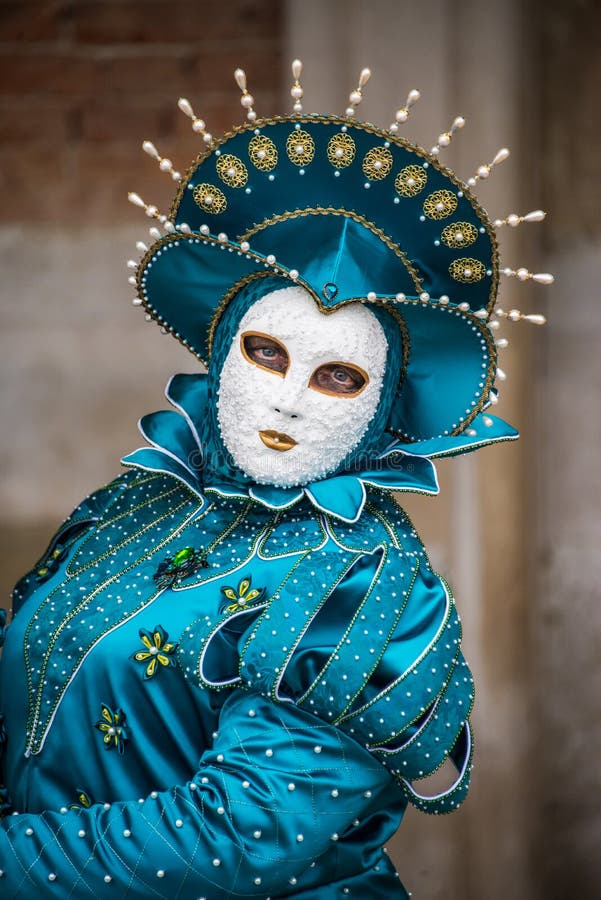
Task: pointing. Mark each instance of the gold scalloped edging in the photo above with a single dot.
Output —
(391, 305)
(369, 129)
(349, 214)
(205, 239)
(488, 380)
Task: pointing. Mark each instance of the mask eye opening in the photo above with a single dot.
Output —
(265, 352)
(322, 379)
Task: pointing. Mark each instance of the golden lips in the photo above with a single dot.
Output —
(277, 440)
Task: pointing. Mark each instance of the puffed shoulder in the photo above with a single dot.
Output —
(83, 518)
(369, 643)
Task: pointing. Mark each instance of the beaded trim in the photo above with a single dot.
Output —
(370, 129)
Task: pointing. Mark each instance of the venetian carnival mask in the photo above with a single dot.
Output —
(298, 388)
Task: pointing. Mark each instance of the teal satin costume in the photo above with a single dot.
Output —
(212, 688)
(246, 726)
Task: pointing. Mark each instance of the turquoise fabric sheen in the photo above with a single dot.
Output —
(352, 226)
(248, 681)
(452, 355)
(218, 791)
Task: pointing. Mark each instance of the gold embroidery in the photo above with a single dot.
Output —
(341, 150)
(459, 234)
(263, 153)
(222, 306)
(348, 213)
(377, 163)
(366, 128)
(232, 170)
(300, 148)
(467, 270)
(488, 374)
(410, 181)
(210, 198)
(440, 204)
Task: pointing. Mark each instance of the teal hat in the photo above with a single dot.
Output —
(351, 213)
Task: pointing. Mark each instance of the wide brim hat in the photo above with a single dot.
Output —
(351, 213)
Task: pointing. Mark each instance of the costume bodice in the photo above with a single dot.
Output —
(157, 627)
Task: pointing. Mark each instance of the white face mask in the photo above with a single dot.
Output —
(298, 388)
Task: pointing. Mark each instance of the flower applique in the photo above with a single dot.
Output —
(50, 563)
(158, 651)
(112, 726)
(242, 595)
(84, 800)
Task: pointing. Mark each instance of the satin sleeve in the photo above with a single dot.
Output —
(277, 789)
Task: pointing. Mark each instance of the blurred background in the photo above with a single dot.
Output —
(517, 528)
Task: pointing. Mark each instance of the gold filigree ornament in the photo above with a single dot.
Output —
(341, 150)
(300, 147)
(263, 153)
(467, 270)
(377, 163)
(410, 181)
(458, 235)
(232, 170)
(440, 204)
(210, 198)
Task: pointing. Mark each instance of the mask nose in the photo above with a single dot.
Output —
(287, 412)
(288, 397)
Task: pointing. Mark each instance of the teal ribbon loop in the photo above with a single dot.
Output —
(272, 644)
(428, 746)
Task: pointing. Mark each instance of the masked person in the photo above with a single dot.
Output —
(234, 663)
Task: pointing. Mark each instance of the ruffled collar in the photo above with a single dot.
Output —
(176, 449)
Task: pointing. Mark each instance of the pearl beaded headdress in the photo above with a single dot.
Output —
(365, 222)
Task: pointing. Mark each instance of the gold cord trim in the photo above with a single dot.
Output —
(390, 306)
(349, 214)
(369, 129)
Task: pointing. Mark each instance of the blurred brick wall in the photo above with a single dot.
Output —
(82, 82)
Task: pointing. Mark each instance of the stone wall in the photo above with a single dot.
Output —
(82, 83)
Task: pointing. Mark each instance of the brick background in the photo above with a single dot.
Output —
(82, 83)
